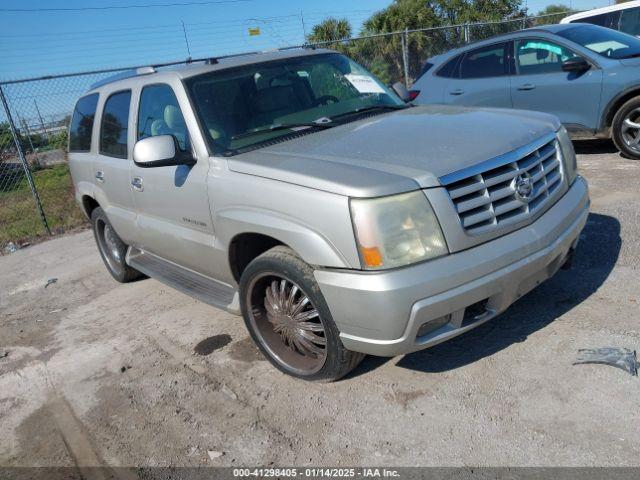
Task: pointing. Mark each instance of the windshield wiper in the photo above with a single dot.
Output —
(632, 55)
(323, 122)
(370, 109)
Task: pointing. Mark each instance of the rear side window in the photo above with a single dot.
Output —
(450, 69)
(609, 20)
(114, 128)
(82, 124)
(426, 68)
(483, 62)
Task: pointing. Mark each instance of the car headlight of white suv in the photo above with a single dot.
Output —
(568, 155)
(397, 230)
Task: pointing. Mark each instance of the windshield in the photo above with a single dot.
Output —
(243, 107)
(604, 41)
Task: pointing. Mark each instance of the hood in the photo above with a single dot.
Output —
(630, 62)
(395, 152)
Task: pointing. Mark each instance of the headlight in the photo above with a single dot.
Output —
(568, 155)
(396, 231)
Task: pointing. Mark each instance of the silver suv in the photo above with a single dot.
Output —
(295, 189)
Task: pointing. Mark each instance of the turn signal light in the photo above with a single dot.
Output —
(371, 256)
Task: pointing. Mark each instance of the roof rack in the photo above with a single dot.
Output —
(147, 70)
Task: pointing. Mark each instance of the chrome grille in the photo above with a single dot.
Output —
(487, 200)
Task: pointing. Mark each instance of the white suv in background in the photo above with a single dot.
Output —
(624, 17)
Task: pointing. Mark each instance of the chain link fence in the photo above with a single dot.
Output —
(36, 192)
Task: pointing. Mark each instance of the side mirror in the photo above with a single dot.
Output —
(402, 91)
(160, 151)
(576, 64)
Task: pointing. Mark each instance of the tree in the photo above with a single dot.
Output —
(383, 55)
(471, 11)
(5, 135)
(330, 30)
(418, 14)
(554, 9)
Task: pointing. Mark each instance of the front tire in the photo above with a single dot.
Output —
(289, 320)
(626, 129)
(112, 249)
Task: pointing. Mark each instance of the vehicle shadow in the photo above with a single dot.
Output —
(594, 260)
(594, 146)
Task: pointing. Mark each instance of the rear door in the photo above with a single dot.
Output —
(172, 202)
(540, 84)
(112, 163)
(482, 78)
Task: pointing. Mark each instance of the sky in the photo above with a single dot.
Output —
(45, 41)
(70, 36)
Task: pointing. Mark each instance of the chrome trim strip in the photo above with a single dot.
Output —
(509, 157)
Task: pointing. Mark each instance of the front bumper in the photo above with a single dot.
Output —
(381, 313)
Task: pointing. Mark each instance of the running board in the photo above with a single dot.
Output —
(200, 287)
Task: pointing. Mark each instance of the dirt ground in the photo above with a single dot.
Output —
(129, 375)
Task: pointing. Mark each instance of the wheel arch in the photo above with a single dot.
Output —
(615, 104)
(249, 233)
(246, 246)
(89, 204)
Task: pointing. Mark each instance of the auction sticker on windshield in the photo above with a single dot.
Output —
(364, 83)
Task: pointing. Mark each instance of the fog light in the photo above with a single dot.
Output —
(433, 325)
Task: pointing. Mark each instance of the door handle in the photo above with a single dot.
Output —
(100, 176)
(526, 87)
(136, 183)
(456, 92)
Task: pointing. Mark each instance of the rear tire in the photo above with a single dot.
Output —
(112, 249)
(289, 320)
(626, 129)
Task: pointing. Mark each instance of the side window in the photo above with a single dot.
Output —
(160, 114)
(600, 20)
(630, 21)
(487, 61)
(427, 66)
(115, 125)
(82, 124)
(450, 69)
(540, 56)
(609, 20)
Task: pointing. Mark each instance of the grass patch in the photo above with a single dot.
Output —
(19, 218)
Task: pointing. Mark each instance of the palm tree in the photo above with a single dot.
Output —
(330, 30)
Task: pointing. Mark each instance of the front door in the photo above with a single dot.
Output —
(172, 202)
(482, 79)
(542, 85)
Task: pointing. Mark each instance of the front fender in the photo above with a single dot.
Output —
(614, 102)
(313, 247)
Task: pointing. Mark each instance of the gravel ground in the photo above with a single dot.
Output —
(128, 375)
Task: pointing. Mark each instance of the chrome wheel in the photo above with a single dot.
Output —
(631, 130)
(109, 245)
(287, 323)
